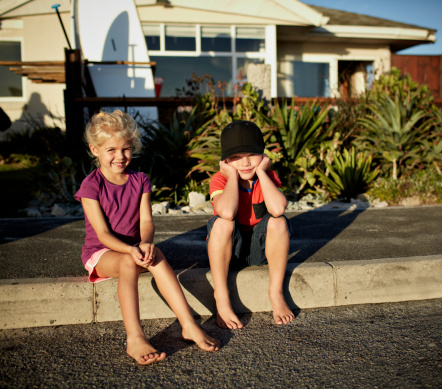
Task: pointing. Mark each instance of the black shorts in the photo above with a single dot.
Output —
(248, 247)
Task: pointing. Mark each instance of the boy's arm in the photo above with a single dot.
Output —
(274, 199)
(94, 213)
(225, 204)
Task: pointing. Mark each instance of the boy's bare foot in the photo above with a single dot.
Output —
(282, 314)
(142, 351)
(225, 317)
(193, 333)
(226, 321)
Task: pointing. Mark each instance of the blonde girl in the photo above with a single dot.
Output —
(120, 232)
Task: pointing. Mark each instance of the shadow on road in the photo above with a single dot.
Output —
(20, 228)
(311, 231)
(314, 229)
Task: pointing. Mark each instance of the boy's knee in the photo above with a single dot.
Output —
(277, 225)
(223, 227)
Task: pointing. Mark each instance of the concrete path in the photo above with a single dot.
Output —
(337, 257)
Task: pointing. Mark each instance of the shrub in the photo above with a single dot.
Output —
(297, 135)
(348, 175)
(394, 130)
(424, 184)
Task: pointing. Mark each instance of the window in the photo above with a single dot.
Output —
(176, 70)
(180, 38)
(216, 39)
(152, 34)
(249, 39)
(10, 83)
(311, 79)
(220, 51)
(241, 67)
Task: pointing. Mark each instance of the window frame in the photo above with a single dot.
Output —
(268, 55)
(23, 83)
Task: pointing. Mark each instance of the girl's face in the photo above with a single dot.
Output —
(114, 155)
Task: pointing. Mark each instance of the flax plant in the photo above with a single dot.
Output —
(394, 130)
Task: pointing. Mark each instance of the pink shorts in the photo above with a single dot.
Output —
(92, 262)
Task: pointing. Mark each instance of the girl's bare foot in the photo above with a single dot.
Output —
(195, 334)
(282, 314)
(142, 351)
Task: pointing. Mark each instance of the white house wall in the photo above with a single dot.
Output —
(329, 53)
(42, 39)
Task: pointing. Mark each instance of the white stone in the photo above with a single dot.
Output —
(159, 208)
(58, 211)
(186, 208)
(166, 204)
(30, 212)
(175, 212)
(196, 199)
(305, 207)
(411, 201)
(363, 197)
(381, 204)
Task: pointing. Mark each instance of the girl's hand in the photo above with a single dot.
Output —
(149, 254)
(137, 256)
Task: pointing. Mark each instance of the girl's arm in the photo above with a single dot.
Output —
(226, 203)
(274, 199)
(147, 229)
(94, 213)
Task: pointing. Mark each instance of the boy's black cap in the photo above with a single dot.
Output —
(241, 137)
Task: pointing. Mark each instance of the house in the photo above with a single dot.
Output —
(309, 51)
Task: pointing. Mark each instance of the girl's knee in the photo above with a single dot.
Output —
(127, 264)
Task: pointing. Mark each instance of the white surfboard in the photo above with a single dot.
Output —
(110, 30)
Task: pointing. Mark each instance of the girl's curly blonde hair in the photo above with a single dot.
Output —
(103, 126)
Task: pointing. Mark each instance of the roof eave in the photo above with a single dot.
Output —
(389, 33)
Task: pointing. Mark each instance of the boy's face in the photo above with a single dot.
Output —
(246, 164)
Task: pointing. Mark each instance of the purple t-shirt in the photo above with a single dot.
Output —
(120, 205)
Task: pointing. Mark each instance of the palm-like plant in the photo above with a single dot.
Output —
(349, 174)
(297, 130)
(298, 133)
(433, 152)
(394, 130)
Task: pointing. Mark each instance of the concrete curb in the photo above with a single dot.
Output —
(59, 301)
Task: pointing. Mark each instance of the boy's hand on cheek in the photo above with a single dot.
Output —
(266, 163)
(226, 170)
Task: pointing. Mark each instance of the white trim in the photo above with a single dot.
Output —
(396, 33)
(271, 49)
(11, 24)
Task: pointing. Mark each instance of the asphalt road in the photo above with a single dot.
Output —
(372, 346)
(51, 247)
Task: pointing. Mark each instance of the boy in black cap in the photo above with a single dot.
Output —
(249, 226)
